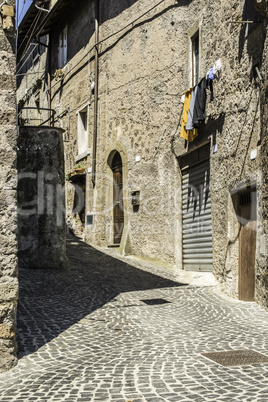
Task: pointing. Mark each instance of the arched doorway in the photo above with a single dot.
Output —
(118, 206)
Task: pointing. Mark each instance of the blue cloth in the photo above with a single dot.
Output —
(210, 74)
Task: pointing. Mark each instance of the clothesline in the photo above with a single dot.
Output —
(194, 100)
(214, 72)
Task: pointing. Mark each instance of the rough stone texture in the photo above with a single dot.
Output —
(96, 333)
(41, 200)
(144, 69)
(262, 260)
(8, 208)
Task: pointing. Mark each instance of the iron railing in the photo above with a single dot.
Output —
(24, 120)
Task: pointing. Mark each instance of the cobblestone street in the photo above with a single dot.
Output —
(124, 330)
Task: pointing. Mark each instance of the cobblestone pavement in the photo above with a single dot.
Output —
(107, 330)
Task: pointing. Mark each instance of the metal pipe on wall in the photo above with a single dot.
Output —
(49, 81)
(96, 92)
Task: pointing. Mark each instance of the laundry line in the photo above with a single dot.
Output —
(194, 100)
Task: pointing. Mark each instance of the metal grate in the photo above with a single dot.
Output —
(237, 357)
(152, 302)
(247, 197)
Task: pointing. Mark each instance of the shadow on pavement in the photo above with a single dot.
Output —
(51, 301)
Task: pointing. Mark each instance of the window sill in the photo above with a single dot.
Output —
(83, 155)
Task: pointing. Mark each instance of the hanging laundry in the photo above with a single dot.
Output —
(210, 74)
(210, 85)
(200, 102)
(217, 69)
(183, 99)
(188, 135)
(190, 121)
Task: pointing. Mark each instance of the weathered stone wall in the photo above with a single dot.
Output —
(262, 260)
(8, 209)
(235, 122)
(143, 71)
(41, 199)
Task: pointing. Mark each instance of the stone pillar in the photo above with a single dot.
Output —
(8, 212)
(41, 198)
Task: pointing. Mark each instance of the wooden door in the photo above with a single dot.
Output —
(118, 200)
(247, 248)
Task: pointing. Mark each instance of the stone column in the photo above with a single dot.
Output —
(41, 198)
(8, 209)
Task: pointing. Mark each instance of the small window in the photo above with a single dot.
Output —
(82, 130)
(62, 48)
(195, 58)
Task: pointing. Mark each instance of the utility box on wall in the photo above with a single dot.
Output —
(135, 197)
(89, 219)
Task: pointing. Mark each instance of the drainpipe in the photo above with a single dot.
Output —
(96, 92)
(49, 80)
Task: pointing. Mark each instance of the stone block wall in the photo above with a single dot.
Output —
(41, 199)
(8, 209)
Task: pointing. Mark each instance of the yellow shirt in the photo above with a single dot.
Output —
(189, 135)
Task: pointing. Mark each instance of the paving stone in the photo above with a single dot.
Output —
(85, 334)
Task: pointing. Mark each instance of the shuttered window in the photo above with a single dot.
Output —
(62, 50)
(196, 213)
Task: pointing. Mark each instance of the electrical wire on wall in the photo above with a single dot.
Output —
(103, 40)
(29, 55)
(28, 34)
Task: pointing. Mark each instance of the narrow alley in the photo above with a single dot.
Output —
(123, 330)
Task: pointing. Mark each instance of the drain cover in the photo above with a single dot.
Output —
(236, 357)
(155, 301)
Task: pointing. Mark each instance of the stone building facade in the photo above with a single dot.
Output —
(115, 73)
(8, 214)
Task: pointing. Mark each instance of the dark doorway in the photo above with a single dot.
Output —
(118, 209)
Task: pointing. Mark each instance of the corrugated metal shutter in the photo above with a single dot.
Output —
(196, 215)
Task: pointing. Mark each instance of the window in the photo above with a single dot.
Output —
(62, 48)
(82, 126)
(195, 58)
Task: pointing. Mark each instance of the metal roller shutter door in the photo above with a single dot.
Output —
(196, 215)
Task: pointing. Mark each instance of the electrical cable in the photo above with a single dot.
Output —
(35, 21)
(34, 46)
(105, 39)
(32, 72)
